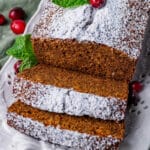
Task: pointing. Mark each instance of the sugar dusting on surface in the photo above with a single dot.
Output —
(120, 24)
(56, 135)
(63, 100)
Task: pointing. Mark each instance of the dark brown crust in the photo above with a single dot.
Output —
(80, 82)
(87, 57)
(83, 124)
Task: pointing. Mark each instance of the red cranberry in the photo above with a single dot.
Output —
(2, 20)
(137, 86)
(18, 26)
(17, 13)
(134, 88)
(17, 66)
(97, 3)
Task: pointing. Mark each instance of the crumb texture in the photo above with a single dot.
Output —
(87, 57)
(48, 75)
(83, 124)
(60, 100)
(58, 90)
(61, 136)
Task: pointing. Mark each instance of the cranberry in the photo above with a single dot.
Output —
(18, 26)
(17, 13)
(2, 20)
(137, 86)
(17, 66)
(97, 3)
(134, 88)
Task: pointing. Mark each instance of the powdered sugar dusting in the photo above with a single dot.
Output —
(58, 136)
(62, 100)
(41, 29)
(120, 24)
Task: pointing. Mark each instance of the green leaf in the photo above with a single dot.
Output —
(27, 64)
(17, 49)
(70, 3)
(22, 49)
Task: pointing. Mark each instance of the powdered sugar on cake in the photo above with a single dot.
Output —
(62, 100)
(60, 136)
(120, 24)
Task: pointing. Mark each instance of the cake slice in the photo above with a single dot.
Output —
(102, 42)
(64, 91)
(76, 132)
(86, 57)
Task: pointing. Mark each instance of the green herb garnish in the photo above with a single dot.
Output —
(70, 3)
(22, 50)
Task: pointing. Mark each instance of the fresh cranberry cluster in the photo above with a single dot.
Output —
(17, 16)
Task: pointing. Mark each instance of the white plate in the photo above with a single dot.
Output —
(138, 126)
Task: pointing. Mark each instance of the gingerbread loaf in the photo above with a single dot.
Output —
(102, 42)
(77, 132)
(77, 95)
(63, 91)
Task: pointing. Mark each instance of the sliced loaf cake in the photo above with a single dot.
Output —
(77, 132)
(102, 42)
(63, 91)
